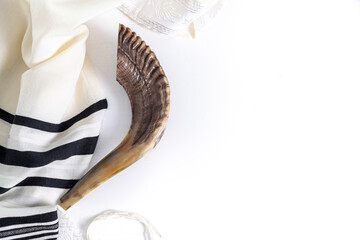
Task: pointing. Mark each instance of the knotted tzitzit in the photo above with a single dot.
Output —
(112, 217)
(51, 108)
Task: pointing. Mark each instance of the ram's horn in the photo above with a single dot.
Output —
(143, 79)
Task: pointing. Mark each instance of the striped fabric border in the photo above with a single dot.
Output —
(51, 234)
(39, 218)
(20, 231)
(34, 163)
(42, 225)
(43, 182)
(52, 127)
(30, 159)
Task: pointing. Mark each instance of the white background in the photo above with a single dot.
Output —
(264, 132)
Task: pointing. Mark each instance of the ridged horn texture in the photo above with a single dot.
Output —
(144, 80)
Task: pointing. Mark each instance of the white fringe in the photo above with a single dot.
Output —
(150, 232)
(68, 230)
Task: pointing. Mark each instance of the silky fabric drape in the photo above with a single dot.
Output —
(51, 108)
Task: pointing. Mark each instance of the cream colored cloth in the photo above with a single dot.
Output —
(51, 108)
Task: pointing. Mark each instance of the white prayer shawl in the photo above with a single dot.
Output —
(51, 105)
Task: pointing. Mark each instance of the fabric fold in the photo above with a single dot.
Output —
(51, 109)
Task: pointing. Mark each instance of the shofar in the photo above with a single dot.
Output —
(143, 79)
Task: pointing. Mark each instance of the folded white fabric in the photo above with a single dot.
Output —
(181, 17)
(51, 108)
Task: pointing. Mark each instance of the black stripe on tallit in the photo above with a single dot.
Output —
(43, 182)
(32, 159)
(26, 230)
(52, 127)
(38, 218)
(7, 117)
(55, 234)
